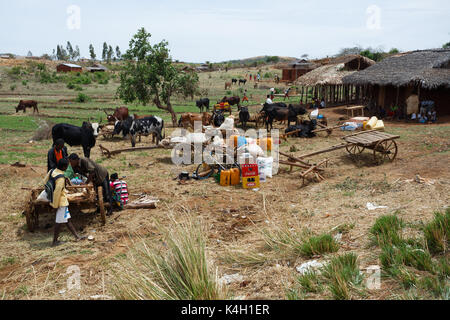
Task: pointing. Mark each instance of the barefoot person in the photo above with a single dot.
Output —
(60, 201)
(95, 173)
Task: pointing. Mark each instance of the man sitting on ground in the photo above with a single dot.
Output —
(95, 173)
(60, 201)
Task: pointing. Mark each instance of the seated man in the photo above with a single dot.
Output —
(269, 101)
(56, 153)
(59, 200)
(95, 173)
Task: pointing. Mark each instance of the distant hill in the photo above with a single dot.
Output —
(260, 60)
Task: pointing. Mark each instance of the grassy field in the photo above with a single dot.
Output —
(259, 238)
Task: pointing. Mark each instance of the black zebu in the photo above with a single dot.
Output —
(145, 126)
(84, 136)
(203, 103)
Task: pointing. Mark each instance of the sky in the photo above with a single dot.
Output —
(215, 31)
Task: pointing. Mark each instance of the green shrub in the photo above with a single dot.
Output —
(437, 232)
(82, 98)
(70, 86)
(78, 88)
(13, 87)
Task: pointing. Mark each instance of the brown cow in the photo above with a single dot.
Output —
(188, 119)
(24, 104)
(228, 85)
(120, 114)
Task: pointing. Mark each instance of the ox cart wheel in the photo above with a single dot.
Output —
(101, 205)
(354, 149)
(385, 151)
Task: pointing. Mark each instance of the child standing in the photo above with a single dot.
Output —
(59, 200)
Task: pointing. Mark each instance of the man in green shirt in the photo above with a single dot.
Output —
(95, 173)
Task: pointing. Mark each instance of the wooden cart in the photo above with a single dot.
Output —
(382, 144)
(80, 198)
(107, 131)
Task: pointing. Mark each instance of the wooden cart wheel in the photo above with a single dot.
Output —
(385, 151)
(354, 149)
(101, 205)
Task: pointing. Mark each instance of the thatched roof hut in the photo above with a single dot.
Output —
(326, 81)
(429, 69)
(335, 71)
(391, 82)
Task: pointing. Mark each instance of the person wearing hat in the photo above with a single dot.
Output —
(95, 173)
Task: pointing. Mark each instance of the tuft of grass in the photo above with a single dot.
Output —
(405, 277)
(283, 240)
(437, 233)
(319, 245)
(310, 282)
(440, 288)
(178, 270)
(406, 255)
(244, 258)
(387, 231)
(343, 275)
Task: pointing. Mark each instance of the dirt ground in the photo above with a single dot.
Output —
(31, 269)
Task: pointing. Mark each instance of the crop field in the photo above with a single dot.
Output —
(239, 244)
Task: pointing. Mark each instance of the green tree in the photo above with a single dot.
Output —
(150, 76)
(105, 51)
(92, 52)
(394, 51)
(70, 50)
(446, 46)
(110, 54)
(76, 53)
(118, 53)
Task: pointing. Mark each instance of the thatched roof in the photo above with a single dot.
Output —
(335, 70)
(429, 68)
(329, 74)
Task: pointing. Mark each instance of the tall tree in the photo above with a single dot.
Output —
(110, 54)
(150, 76)
(92, 52)
(118, 53)
(76, 53)
(70, 50)
(105, 51)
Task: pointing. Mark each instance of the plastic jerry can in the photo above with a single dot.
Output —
(235, 177)
(225, 178)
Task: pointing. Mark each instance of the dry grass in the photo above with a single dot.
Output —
(177, 269)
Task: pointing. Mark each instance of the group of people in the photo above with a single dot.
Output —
(426, 114)
(62, 167)
(256, 77)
